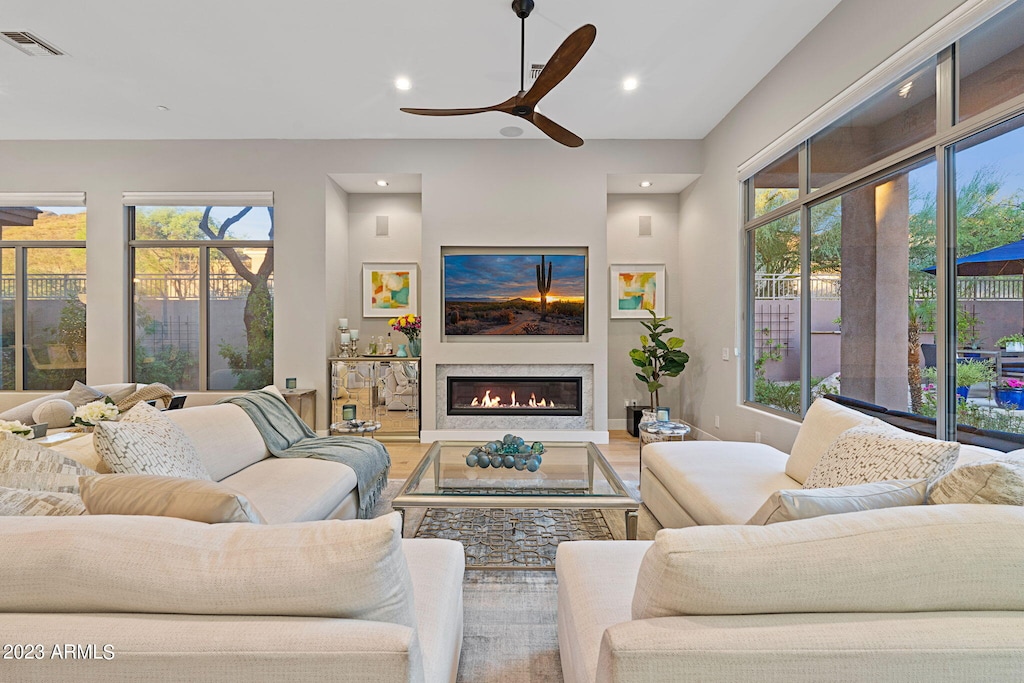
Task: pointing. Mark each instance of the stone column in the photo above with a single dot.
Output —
(875, 252)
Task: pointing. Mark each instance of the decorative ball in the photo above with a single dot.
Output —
(472, 459)
(508, 438)
(484, 462)
(509, 462)
(496, 461)
(520, 441)
(537, 447)
(56, 413)
(524, 449)
(490, 447)
(536, 456)
(520, 464)
(532, 465)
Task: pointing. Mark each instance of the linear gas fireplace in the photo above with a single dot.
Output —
(515, 395)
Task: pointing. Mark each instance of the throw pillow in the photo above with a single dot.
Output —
(80, 394)
(139, 494)
(23, 413)
(824, 422)
(145, 441)
(33, 467)
(57, 413)
(999, 481)
(879, 452)
(21, 503)
(147, 392)
(789, 505)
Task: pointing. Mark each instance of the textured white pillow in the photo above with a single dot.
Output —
(880, 452)
(56, 414)
(145, 441)
(791, 505)
(33, 467)
(824, 422)
(22, 503)
(999, 481)
(353, 569)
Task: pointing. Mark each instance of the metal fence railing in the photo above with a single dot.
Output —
(184, 286)
(777, 286)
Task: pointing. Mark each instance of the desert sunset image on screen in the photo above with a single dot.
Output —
(511, 294)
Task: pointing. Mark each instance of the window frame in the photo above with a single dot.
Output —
(204, 247)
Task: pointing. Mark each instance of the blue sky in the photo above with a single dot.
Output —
(483, 277)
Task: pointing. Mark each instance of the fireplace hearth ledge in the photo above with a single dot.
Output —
(484, 435)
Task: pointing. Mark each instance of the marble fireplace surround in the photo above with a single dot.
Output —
(551, 427)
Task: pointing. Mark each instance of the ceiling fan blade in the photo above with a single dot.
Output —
(555, 131)
(450, 112)
(566, 57)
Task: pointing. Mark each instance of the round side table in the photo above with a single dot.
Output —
(653, 432)
(356, 427)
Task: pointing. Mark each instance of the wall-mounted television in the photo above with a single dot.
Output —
(515, 291)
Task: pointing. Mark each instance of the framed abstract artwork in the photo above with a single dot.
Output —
(389, 289)
(636, 290)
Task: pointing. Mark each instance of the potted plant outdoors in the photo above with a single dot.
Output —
(1011, 342)
(657, 356)
(968, 372)
(1010, 393)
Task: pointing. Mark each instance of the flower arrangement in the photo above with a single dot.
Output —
(90, 414)
(1010, 383)
(15, 427)
(409, 325)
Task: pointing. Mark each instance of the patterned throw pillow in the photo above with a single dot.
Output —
(20, 503)
(145, 441)
(998, 481)
(880, 452)
(33, 467)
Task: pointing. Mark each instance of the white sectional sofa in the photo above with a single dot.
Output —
(113, 598)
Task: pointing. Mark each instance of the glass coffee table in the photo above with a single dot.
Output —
(571, 475)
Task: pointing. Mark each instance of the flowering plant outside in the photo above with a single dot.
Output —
(90, 414)
(409, 325)
(15, 427)
(1010, 383)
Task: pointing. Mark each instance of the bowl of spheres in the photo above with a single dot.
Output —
(511, 452)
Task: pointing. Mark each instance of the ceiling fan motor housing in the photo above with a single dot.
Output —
(522, 8)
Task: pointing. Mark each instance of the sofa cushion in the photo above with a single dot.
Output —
(24, 503)
(140, 494)
(56, 413)
(922, 558)
(437, 567)
(161, 565)
(879, 452)
(294, 489)
(702, 476)
(23, 413)
(34, 467)
(794, 504)
(225, 437)
(998, 481)
(145, 441)
(824, 422)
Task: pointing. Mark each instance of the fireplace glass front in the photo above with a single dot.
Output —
(515, 395)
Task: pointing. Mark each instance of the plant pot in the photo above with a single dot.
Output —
(1010, 399)
(962, 392)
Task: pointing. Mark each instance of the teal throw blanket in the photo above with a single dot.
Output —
(287, 436)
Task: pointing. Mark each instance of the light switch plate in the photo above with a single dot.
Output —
(725, 353)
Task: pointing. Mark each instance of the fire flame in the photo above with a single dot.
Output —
(488, 402)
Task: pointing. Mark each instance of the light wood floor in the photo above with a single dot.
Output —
(622, 452)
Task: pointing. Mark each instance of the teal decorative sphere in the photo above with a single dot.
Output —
(520, 464)
(536, 456)
(472, 460)
(484, 462)
(532, 465)
(537, 447)
(509, 461)
(496, 461)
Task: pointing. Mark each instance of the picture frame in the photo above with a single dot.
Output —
(390, 289)
(635, 289)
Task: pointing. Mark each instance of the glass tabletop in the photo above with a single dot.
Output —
(574, 473)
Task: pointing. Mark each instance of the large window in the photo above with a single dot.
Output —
(42, 296)
(203, 311)
(850, 289)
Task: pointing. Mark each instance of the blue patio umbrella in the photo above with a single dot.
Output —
(1007, 259)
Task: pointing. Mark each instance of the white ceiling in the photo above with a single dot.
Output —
(321, 70)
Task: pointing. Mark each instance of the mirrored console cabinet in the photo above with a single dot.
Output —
(385, 390)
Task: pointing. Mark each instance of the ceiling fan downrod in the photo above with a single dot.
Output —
(522, 8)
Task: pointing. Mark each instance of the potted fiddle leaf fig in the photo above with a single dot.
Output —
(657, 356)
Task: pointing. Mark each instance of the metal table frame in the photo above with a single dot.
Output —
(621, 500)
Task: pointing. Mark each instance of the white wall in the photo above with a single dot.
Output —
(857, 36)
(474, 193)
(626, 246)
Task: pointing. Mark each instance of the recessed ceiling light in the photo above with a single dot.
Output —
(161, 107)
(511, 131)
(382, 183)
(403, 83)
(630, 83)
(645, 183)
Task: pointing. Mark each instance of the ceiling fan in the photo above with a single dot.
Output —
(524, 104)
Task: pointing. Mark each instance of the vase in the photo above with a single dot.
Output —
(402, 351)
(414, 347)
(962, 392)
(1010, 399)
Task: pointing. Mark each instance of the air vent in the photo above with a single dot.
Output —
(29, 44)
(535, 70)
